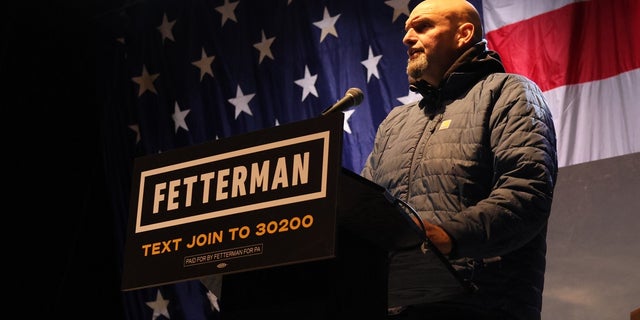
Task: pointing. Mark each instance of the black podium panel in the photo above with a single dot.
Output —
(354, 284)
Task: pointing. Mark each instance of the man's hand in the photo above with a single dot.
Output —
(438, 237)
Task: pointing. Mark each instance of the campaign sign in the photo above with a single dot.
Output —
(252, 201)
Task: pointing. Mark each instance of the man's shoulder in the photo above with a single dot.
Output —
(510, 82)
(509, 77)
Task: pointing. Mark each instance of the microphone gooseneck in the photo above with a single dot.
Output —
(352, 97)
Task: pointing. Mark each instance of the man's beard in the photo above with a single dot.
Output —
(417, 67)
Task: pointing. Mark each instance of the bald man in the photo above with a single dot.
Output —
(475, 158)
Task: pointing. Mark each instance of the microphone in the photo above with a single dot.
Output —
(352, 97)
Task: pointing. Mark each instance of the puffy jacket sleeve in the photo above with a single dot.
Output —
(523, 147)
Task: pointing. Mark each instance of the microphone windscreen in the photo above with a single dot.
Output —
(357, 95)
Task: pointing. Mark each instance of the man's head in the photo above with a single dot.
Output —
(437, 33)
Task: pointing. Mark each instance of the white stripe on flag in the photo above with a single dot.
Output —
(498, 13)
(598, 119)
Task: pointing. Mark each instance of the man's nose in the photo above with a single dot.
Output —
(409, 38)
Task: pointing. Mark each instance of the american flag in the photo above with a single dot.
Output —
(178, 73)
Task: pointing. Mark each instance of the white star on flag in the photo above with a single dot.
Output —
(327, 24)
(178, 117)
(345, 124)
(159, 306)
(165, 28)
(146, 81)
(227, 11)
(204, 64)
(241, 102)
(399, 7)
(213, 300)
(410, 97)
(264, 47)
(307, 83)
(135, 128)
(372, 65)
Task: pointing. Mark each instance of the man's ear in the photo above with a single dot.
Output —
(464, 34)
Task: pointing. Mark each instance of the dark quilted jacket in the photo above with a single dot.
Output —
(478, 157)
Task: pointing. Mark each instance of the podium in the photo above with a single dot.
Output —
(294, 235)
(353, 284)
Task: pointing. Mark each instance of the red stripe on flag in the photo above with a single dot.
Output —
(580, 42)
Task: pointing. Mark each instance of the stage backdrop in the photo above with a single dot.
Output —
(174, 73)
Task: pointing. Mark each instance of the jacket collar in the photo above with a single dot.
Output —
(471, 66)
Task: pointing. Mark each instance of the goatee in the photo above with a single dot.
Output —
(417, 66)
